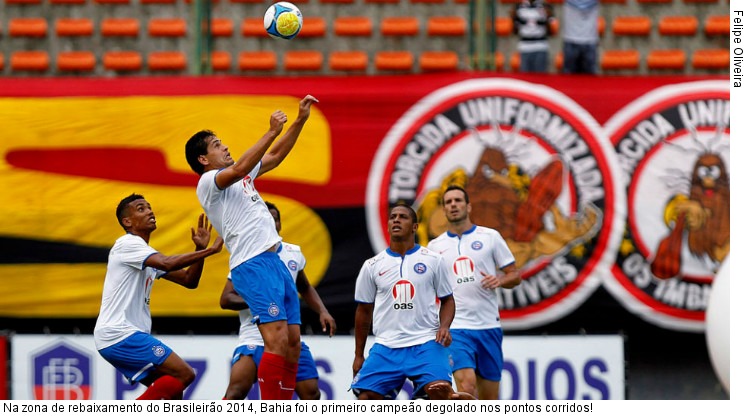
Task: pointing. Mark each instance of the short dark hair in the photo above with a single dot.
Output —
(196, 146)
(273, 206)
(121, 209)
(456, 187)
(410, 210)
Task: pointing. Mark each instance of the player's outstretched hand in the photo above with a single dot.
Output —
(328, 323)
(277, 121)
(203, 233)
(305, 104)
(444, 391)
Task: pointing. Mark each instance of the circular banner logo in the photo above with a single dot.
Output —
(534, 165)
(673, 150)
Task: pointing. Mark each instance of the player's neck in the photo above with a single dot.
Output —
(459, 227)
(145, 235)
(401, 247)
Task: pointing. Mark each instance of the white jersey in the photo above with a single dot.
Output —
(479, 252)
(404, 290)
(125, 304)
(293, 258)
(239, 215)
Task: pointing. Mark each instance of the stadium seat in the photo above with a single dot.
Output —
(666, 59)
(558, 62)
(31, 27)
(166, 61)
(74, 27)
(678, 25)
(121, 61)
(77, 61)
(2, 61)
(717, 25)
(221, 61)
(612, 1)
(313, 27)
(125, 26)
(710, 59)
(352, 26)
(399, 26)
(504, 26)
(601, 25)
(439, 61)
(305, 60)
(167, 27)
(631, 26)
(22, 1)
(654, 1)
(246, 1)
(257, 61)
(221, 27)
(446, 26)
(515, 61)
(701, 1)
(427, 1)
(253, 26)
(337, 1)
(158, 1)
(394, 60)
(348, 60)
(382, 1)
(36, 61)
(112, 1)
(68, 1)
(620, 60)
(499, 61)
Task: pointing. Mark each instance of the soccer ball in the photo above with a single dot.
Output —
(283, 20)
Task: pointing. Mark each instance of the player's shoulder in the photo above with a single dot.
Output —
(291, 248)
(426, 252)
(484, 230)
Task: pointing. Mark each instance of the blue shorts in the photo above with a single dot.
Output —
(268, 288)
(136, 356)
(479, 350)
(306, 369)
(386, 369)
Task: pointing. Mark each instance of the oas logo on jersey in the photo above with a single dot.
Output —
(535, 169)
(403, 293)
(673, 147)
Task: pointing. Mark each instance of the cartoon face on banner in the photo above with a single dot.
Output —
(534, 168)
(673, 147)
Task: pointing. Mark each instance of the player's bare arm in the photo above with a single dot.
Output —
(230, 299)
(252, 155)
(362, 322)
(283, 145)
(313, 300)
(174, 265)
(510, 278)
(446, 315)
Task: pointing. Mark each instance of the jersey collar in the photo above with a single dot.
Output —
(450, 234)
(411, 251)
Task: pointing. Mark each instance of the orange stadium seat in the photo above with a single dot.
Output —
(158, 1)
(348, 60)
(246, 1)
(558, 62)
(112, 1)
(446, 26)
(620, 60)
(382, 1)
(32, 27)
(394, 60)
(79, 61)
(701, 1)
(222, 27)
(313, 27)
(504, 26)
(666, 59)
(257, 61)
(399, 26)
(166, 61)
(439, 61)
(22, 1)
(631, 26)
(352, 26)
(499, 61)
(2, 61)
(221, 61)
(74, 27)
(306, 60)
(337, 1)
(711, 59)
(654, 1)
(717, 25)
(601, 25)
(37, 61)
(515, 61)
(678, 25)
(253, 26)
(121, 61)
(428, 1)
(68, 1)
(167, 27)
(125, 26)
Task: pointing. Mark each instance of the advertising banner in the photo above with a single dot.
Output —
(67, 367)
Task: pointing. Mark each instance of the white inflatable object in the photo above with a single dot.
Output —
(717, 320)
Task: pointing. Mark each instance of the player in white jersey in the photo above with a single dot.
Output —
(478, 261)
(248, 353)
(404, 293)
(122, 331)
(227, 194)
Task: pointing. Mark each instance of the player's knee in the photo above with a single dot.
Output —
(309, 394)
(186, 375)
(236, 392)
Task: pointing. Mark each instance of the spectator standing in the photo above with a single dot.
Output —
(532, 19)
(580, 36)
